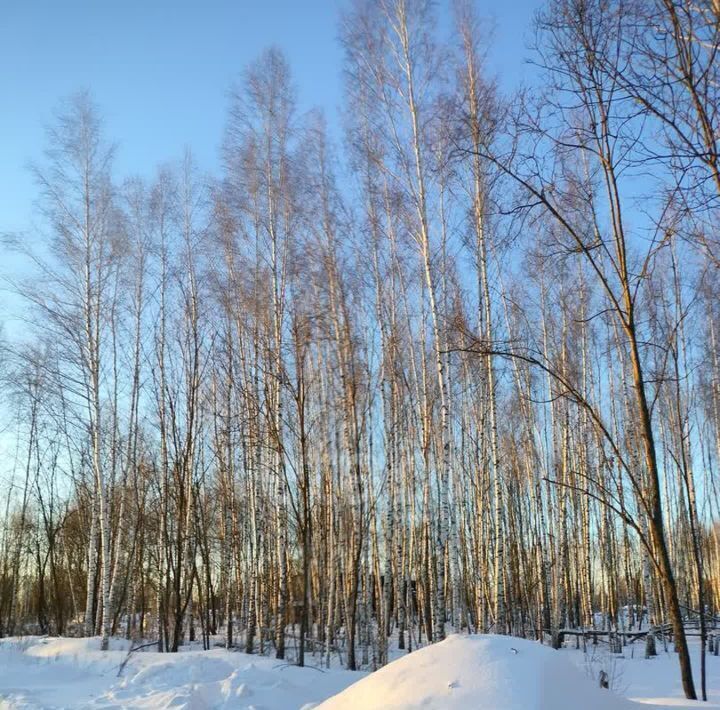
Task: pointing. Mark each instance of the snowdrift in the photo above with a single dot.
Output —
(53, 673)
(479, 672)
(468, 672)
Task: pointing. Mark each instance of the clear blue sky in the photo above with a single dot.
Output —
(160, 71)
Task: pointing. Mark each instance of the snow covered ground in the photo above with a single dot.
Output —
(500, 672)
(74, 673)
(504, 672)
(485, 672)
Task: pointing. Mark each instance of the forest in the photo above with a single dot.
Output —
(447, 362)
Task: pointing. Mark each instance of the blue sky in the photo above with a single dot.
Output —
(160, 71)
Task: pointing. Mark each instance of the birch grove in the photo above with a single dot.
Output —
(452, 367)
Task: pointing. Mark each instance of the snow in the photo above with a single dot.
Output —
(654, 682)
(488, 672)
(73, 673)
(484, 672)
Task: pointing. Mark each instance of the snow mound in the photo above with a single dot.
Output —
(483, 672)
